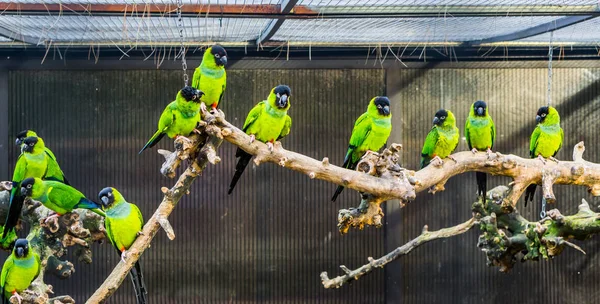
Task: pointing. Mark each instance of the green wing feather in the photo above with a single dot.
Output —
(39, 263)
(196, 78)
(54, 172)
(8, 264)
(253, 115)
(362, 128)
(533, 143)
(493, 133)
(109, 233)
(286, 127)
(467, 127)
(50, 154)
(20, 169)
(63, 196)
(430, 143)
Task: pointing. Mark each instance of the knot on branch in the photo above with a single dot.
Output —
(61, 269)
(368, 213)
(548, 179)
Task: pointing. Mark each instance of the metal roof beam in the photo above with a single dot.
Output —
(533, 31)
(10, 34)
(275, 24)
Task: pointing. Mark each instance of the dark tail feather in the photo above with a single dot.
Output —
(239, 168)
(87, 204)
(529, 193)
(14, 210)
(137, 278)
(153, 141)
(337, 192)
(481, 184)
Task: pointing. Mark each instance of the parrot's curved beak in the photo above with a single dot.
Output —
(223, 60)
(538, 118)
(436, 121)
(282, 101)
(24, 191)
(480, 111)
(386, 110)
(105, 201)
(19, 141)
(20, 252)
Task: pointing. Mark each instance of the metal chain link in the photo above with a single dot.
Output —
(182, 47)
(549, 96)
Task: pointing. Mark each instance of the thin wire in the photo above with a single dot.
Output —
(182, 47)
(550, 53)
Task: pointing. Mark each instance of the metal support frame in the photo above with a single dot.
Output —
(274, 25)
(12, 35)
(533, 31)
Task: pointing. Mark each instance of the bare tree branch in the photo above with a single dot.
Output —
(424, 237)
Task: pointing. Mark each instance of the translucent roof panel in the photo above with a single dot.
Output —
(4, 39)
(390, 30)
(132, 29)
(390, 6)
(584, 32)
(212, 2)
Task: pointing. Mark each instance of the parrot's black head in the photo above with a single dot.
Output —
(191, 94)
(541, 114)
(383, 105)
(20, 137)
(29, 144)
(21, 248)
(106, 196)
(220, 55)
(479, 108)
(440, 116)
(282, 94)
(27, 186)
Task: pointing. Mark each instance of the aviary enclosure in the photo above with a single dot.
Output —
(92, 79)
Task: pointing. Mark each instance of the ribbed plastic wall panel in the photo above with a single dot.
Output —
(267, 242)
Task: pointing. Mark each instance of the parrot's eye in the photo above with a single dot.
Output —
(379, 106)
(217, 56)
(31, 144)
(443, 117)
(544, 115)
(29, 186)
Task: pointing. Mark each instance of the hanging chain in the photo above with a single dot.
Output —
(549, 95)
(550, 53)
(182, 47)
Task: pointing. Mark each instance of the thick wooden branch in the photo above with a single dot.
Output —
(199, 160)
(424, 237)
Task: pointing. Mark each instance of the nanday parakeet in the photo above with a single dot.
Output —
(57, 196)
(179, 118)
(210, 76)
(546, 141)
(30, 133)
(34, 161)
(371, 131)
(123, 222)
(267, 121)
(20, 268)
(442, 140)
(480, 132)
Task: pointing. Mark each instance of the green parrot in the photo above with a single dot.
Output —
(371, 131)
(480, 132)
(442, 139)
(179, 118)
(546, 141)
(267, 121)
(210, 76)
(57, 196)
(30, 133)
(19, 270)
(33, 162)
(123, 223)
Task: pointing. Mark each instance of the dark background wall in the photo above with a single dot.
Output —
(270, 239)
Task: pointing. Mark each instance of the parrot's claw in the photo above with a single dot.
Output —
(140, 233)
(474, 151)
(252, 138)
(17, 296)
(184, 138)
(53, 217)
(542, 159)
(203, 107)
(452, 158)
(197, 131)
(270, 146)
(553, 159)
(489, 152)
(437, 162)
(124, 255)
